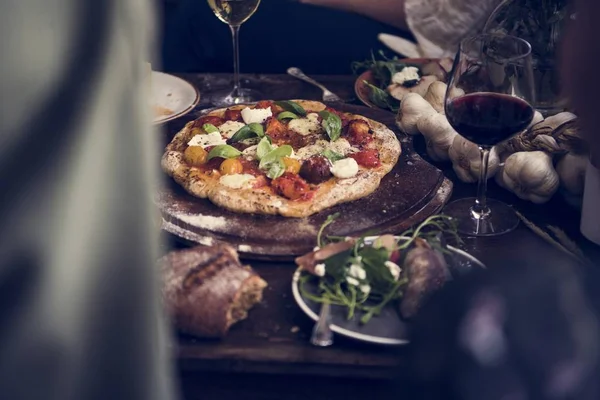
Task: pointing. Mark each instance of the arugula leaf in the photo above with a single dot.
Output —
(380, 277)
(332, 125)
(332, 155)
(336, 265)
(264, 147)
(247, 132)
(275, 155)
(292, 107)
(382, 99)
(210, 128)
(286, 115)
(224, 151)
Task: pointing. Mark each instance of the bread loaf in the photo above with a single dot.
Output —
(206, 289)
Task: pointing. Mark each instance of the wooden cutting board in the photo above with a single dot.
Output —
(411, 192)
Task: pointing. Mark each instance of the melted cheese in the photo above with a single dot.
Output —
(250, 152)
(341, 146)
(229, 128)
(344, 169)
(210, 139)
(237, 181)
(306, 126)
(257, 115)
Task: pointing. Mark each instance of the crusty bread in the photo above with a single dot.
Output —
(206, 289)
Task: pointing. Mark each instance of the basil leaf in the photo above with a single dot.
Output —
(292, 107)
(333, 156)
(247, 132)
(210, 128)
(224, 151)
(274, 156)
(276, 169)
(332, 125)
(286, 115)
(264, 147)
(382, 99)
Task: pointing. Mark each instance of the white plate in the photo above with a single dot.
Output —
(387, 328)
(174, 95)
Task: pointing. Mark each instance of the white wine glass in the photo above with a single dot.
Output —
(234, 13)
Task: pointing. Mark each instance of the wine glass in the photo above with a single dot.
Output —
(488, 100)
(234, 13)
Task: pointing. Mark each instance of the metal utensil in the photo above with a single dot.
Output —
(327, 94)
(322, 335)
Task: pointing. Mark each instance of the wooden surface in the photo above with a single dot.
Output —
(411, 192)
(273, 340)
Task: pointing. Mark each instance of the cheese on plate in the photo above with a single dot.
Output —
(306, 126)
(229, 128)
(210, 139)
(256, 115)
(237, 181)
(406, 75)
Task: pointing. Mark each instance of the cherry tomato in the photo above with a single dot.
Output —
(231, 166)
(367, 158)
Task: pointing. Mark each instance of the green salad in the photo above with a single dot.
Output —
(365, 274)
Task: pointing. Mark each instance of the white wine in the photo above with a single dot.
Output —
(234, 12)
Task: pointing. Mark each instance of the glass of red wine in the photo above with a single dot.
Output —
(488, 100)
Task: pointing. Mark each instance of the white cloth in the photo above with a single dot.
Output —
(440, 25)
(80, 317)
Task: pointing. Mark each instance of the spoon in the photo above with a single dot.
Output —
(322, 335)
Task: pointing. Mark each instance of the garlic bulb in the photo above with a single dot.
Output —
(412, 108)
(438, 134)
(436, 95)
(571, 172)
(530, 175)
(466, 160)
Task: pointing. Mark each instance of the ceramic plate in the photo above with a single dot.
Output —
(362, 90)
(172, 97)
(388, 328)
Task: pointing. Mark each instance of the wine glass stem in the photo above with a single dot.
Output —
(235, 34)
(480, 209)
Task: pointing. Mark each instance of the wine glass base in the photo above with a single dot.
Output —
(225, 98)
(501, 219)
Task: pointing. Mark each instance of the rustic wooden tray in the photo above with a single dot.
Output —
(411, 192)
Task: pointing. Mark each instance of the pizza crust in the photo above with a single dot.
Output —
(264, 201)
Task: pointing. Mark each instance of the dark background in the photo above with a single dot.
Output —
(281, 34)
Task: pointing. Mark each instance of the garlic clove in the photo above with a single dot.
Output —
(529, 175)
(466, 160)
(412, 108)
(438, 134)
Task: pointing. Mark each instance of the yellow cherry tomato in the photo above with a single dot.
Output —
(195, 156)
(291, 165)
(197, 131)
(231, 166)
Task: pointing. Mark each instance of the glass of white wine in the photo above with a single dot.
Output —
(234, 13)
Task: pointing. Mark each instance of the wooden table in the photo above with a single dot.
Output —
(269, 352)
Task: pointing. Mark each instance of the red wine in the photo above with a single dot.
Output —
(488, 118)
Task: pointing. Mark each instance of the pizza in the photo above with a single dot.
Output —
(290, 158)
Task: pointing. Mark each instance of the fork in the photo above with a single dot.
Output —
(328, 96)
(321, 334)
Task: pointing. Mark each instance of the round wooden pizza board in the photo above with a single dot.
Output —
(411, 192)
